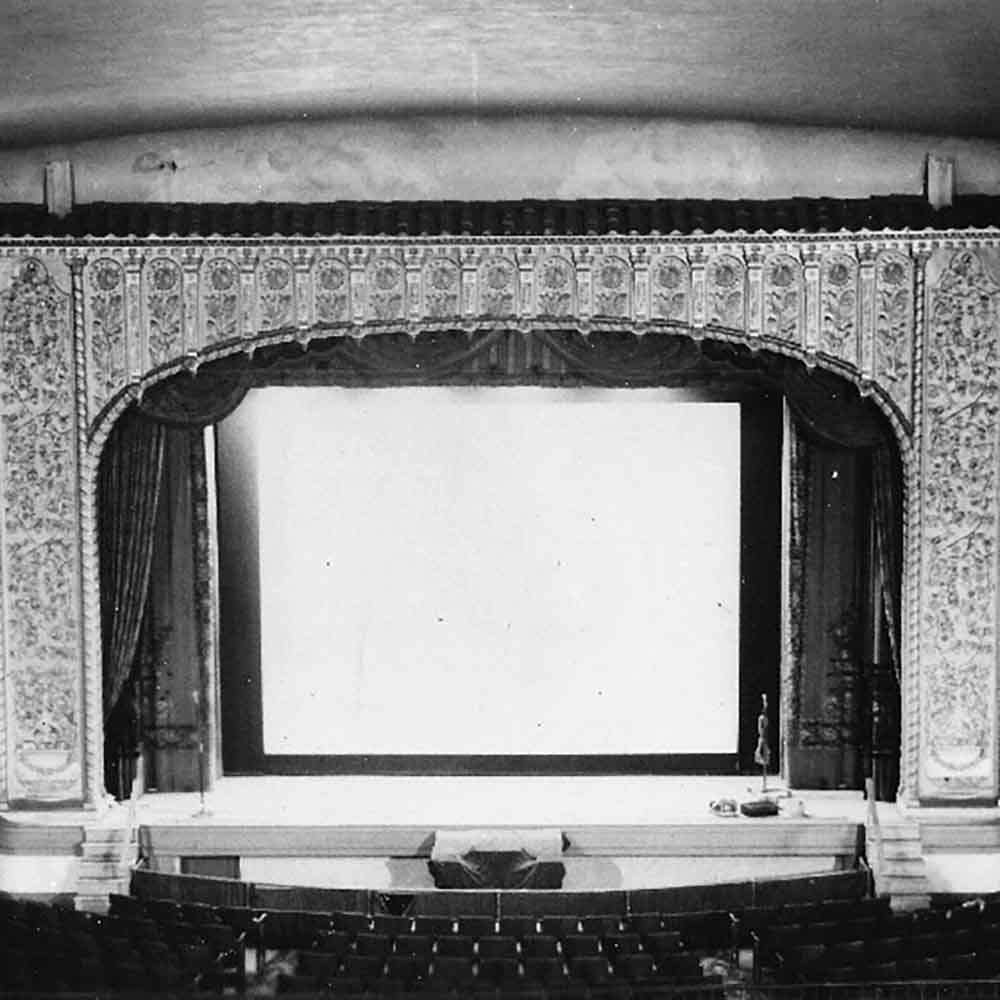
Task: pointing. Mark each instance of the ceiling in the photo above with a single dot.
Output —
(71, 71)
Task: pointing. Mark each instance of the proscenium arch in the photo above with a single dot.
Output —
(244, 351)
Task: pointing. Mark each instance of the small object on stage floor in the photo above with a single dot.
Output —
(759, 807)
(724, 807)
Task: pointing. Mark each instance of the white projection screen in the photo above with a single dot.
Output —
(494, 571)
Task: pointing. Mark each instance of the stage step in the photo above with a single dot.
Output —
(108, 852)
(899, 869)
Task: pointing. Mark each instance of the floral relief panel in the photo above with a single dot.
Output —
(839, 329)
(40, 556)
(105, 282)
(670, 289)
(894, 327)
(163, 286)
(958, 628)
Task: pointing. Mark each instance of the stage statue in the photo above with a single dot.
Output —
(762, 755)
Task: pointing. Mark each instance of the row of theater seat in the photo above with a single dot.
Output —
(872, 944)
(476, 955)
(57, 949)
(156, 945)
(404, 973)
(273, 930)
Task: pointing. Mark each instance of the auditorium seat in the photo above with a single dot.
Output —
(409, 970)
(455, 946)
(352, 923)
(387, 923)
(621, 943)
(448, 971)
(497, 946)
(281, 929)
(364, 968)
(290, 984)
(560, 925)
(162, 910)
(517, 926)
(318, 964)
(601, 924)
(433, 925)
(501, 972)
(880, 972)
(635, 968)
(849, 952)
(925, 967)
(580, 945)
(540, 946)
(659, 943)
(543, 970)
(476, 926)
(592, 969)
(199, 913)
(126, 906)
(371, 943)
(418, 945)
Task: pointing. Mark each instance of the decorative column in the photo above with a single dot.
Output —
(956, 650)
(40, 540)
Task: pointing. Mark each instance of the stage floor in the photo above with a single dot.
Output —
(379, 831)
(436, 802)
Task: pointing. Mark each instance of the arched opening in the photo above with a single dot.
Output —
(819, 552)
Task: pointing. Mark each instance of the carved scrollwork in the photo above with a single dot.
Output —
(670, 289)
(221, 300)
(839, 328)
(498, 287)
(894, 327)
(275, 297)
(386, 289)
(962, 402)
(40, 556)
(442, 288)
(783, 299)
(555, 282)
(726, 292)
(332, 291)
(106, 309)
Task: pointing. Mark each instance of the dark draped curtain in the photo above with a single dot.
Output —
(196, 401)
(830, 410)
(130, 474)
(130, 477)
